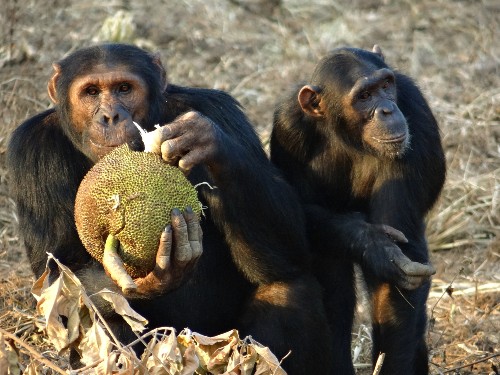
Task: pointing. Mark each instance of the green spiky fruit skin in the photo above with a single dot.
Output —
(130, 195)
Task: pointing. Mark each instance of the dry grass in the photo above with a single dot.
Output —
(255, 52)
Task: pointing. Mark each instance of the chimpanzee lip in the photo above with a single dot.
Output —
(135, 145)
(100, 145)
(396, 139)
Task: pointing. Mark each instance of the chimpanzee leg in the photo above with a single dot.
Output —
(289, 317)
(399, 324)
(337, 278)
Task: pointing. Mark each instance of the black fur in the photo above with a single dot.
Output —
(253, 232)
(346, 188)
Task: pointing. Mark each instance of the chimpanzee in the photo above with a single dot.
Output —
(363, 149)
(253, 274)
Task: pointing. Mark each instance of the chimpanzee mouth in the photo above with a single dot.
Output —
(106, 146)
(102, 149)
(397, 139)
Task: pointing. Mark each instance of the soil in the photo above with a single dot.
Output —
(255, 50)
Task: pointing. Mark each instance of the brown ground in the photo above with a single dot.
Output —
(255, 50)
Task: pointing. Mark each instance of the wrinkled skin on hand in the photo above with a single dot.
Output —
(189, 140)
(178, 252)
(374, 246)
(387, 262)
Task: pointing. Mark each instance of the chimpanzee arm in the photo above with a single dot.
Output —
(373, 246)
(252, 205)
(258, 213)
(403, 203)
(45, 171)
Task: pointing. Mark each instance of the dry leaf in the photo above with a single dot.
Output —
(66, 297)
(163, 356)
(166, 354)
(243, 360)
(95, 345)
(268, 363)
(63, 298)
(46, 296)
(220, 357)
(122, 363)
(227, 354)
(122, 307)
(191, 361)
(9, 360)
(35, 368)
(206, 346)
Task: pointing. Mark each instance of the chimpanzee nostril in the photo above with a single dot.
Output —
(110, 118)
(383, 110)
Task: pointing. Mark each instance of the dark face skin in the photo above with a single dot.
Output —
(103, 106)
(371, 103)
(369, 111)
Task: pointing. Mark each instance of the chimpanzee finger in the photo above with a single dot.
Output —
(188, 116)
(170, 148)
(183, 252)
(176, 148)
(411, 282)
(163, 256)
(195, 235)
(414, 268)
(395, 234)
(169, 152)
(179, 126)
(193, 158)
(174, 129)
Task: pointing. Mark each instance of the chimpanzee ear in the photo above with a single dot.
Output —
(51, 86)
(163, 73)
(311, 101)
(378, 51)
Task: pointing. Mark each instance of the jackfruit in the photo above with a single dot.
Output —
(130, 195)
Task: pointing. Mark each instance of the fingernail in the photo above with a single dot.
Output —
(188, 210)
(176, 211)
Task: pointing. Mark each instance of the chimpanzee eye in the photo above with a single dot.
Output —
(365, 95)
(386, 84)
(125, 87)
(92, 91)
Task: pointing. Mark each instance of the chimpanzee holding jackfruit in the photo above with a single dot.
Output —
(252, 275)
(126, 199)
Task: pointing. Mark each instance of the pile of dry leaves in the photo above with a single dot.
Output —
(71, 321)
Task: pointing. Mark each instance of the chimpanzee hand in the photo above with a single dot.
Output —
(189, 140)
(179, 250)
(386, 262)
